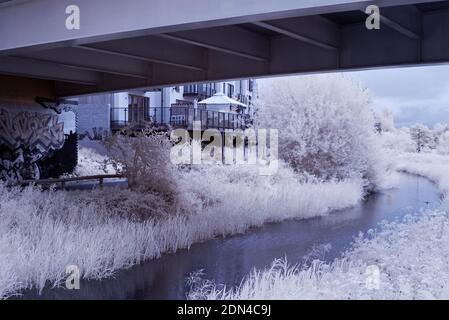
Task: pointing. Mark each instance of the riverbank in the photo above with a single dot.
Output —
(401, 260)
(433, 166)
(410, 258)
(228, 260)
(103, 231)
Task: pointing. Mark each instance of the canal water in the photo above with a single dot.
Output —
(229, 260)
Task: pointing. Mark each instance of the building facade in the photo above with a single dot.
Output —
(174, 106)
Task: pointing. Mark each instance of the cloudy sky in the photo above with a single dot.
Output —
(419, 94)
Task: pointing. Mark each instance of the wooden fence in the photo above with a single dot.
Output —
(62, 181)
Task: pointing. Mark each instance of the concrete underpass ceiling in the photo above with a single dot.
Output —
(263, 43)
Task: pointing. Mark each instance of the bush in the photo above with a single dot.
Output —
(144, 160)
(326, 127)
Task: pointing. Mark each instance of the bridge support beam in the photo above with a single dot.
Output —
(24, 90)
(208, 41)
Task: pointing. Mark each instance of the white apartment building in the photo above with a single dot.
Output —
(166, 106)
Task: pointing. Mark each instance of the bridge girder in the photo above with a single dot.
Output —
(131, 44)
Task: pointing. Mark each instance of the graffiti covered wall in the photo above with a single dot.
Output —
(26, 137)
(36, 131)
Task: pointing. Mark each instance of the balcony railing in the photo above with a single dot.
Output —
(180, 117)
(200, 90)
(124, 117)
(184, 117)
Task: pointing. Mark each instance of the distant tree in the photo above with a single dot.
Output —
(422, 136)
(398, 140)
(378, 127)
(385, 121)
(443, 144)
(326, 126)
(441, 132)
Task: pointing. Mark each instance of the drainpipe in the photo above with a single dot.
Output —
(162, 106)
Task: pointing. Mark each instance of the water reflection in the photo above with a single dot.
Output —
(228, 260)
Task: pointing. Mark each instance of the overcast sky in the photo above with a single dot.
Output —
(414, 95)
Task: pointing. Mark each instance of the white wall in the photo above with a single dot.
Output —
(155, 104)
(93, 116)
(120, 101)
(177, 95)
(155, 98)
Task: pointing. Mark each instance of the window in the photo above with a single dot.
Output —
(208, 89)
(191, 89)
(230, 90)
(178, 119)
(250, 85)
(138, 108)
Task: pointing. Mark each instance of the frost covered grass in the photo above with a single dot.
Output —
(411, 257)
(41, 232)
(252, 200)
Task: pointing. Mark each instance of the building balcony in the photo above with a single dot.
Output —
(184, 117)
(201, 91)
(178, 116)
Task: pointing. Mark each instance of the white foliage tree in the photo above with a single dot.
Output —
(386, 120)
(398, 140)
(443, 143)
(326, 126)
(144, 160)
(422, 136)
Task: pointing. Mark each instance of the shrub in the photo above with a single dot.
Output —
(144, 159)
(326, 127)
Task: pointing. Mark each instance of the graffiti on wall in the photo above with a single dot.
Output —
(35, 130)
(25, 138)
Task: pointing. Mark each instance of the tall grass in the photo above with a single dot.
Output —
(101, 231)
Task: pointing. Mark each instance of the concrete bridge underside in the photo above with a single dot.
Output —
(130, 44)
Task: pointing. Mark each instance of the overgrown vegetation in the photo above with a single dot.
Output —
(326, 126)
(144, 159)
(327, 148)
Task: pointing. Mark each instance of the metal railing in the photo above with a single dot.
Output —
(124, 117)
(181, 116)
(243, 98)
(202, 90)
(184, 117)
